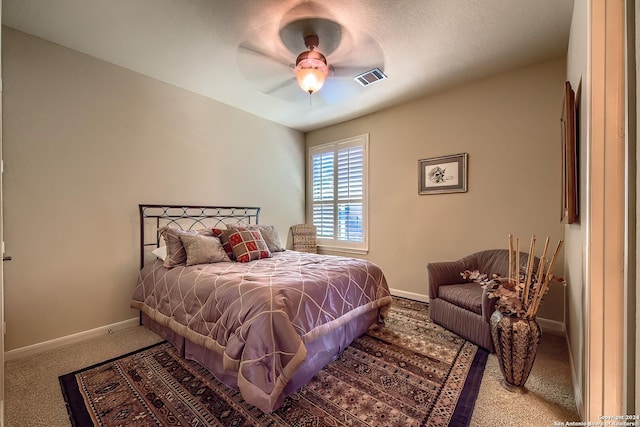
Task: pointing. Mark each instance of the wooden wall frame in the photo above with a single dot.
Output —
(569, 212)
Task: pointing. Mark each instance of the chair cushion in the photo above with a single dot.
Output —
(465, 295)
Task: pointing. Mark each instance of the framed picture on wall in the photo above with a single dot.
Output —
(446, 174)
(569, 211)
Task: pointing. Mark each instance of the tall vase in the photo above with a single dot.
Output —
(516, 342)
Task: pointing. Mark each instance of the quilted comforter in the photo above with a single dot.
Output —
(258, 315)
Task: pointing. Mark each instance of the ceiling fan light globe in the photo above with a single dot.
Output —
(310, 79)
(311, 71)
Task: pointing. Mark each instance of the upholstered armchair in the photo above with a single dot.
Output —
(464, 307)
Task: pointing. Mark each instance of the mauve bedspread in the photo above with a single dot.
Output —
(259, 315)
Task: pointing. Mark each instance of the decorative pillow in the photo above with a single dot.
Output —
(175, 250)
(482, 278)
(203, 249)
(248, 245)
(269, 234)
(474, 276)
(176, 255)
(160, 253)
(223, 235)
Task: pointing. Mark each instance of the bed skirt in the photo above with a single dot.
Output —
(319, 352)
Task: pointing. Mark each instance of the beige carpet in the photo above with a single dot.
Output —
(33, 396)
(550, 392)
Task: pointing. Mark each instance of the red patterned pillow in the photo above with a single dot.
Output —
(223, 235)
(248, 245)
(269, 234)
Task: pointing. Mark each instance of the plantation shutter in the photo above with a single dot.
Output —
(323, 193)
(338, 190)
(350, 182)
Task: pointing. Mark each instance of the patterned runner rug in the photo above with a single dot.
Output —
(411, 372)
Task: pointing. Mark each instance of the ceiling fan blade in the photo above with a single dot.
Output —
(277, 87)
(346, 71)
(251, 49)
(334, 91)
(263, 71)
(338, 71)
(290, 91)
(338, 89)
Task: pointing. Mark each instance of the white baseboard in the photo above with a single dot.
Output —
(409, 295)
(547, 325)
(577, 391)
(552, 327)
(69, 339)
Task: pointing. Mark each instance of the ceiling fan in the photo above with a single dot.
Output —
(306, 51)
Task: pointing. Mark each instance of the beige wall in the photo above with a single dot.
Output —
(84, 143)
(575, 234)
(510, 126)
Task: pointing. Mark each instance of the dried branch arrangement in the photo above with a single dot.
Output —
(521, 293)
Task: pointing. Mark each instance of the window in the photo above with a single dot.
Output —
(338, 201)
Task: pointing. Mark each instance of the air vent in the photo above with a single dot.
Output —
(369, 77)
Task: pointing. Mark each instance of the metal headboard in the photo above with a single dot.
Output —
(153, 217)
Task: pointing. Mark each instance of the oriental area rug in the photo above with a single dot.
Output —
(411, 372)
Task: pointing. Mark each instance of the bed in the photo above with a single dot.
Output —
(263, 326)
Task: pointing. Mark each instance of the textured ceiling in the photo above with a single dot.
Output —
(240, 52)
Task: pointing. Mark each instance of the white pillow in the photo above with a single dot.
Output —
(160, 252)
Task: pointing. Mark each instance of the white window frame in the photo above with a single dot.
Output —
(335, 244)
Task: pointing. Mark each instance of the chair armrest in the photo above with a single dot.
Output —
(443, 273)
(488, 306)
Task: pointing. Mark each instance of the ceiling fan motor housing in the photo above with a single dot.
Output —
(312, 58)
(311, 41)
